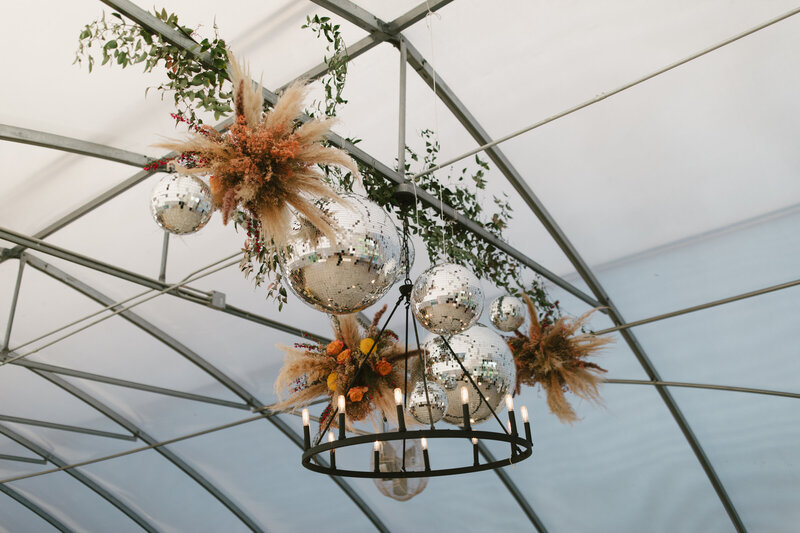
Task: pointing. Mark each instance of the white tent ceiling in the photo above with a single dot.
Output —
(676, 192)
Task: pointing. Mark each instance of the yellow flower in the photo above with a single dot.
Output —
(366, 345)
(344, 357)
(332, 380)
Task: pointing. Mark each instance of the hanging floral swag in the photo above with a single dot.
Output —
(312, 371)
(554, 356)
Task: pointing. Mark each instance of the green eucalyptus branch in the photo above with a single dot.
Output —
(194, 87)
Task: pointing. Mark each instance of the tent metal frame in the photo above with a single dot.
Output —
(379, 32)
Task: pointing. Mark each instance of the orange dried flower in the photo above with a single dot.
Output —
(334, 347)
(383, 367)
(344, 357)
(356, 394)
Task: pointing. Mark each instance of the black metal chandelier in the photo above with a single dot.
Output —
(520, 445)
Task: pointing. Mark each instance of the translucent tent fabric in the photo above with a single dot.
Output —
(675, 192)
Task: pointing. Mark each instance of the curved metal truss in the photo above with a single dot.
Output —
(379, 32)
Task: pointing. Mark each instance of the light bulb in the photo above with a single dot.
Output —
(474, 441)
(398, 397)
(464, 395)
(305, 417)
(509, 402)
(424, 443)
(330, 436)
(341, 403)
(376, 446)
(524, 411)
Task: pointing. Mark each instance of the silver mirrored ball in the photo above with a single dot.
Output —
(507, 313)
(391, 454)
(181, 204)
(354, 272)
(447, 299)
(418, 403)
(488, 359)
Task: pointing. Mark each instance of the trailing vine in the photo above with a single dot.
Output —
(195, 87)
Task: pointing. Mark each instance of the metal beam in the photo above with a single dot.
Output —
(354, 14)
(128, 384)
(44, 515)
(81, 477)
(513, 489)
(515, 179)
(19, 459)
(189, 294)
(190, 355)
(707, 386)
(73, 146)
(13, 308)
(414, 15)
(65, 427)
(168, 454)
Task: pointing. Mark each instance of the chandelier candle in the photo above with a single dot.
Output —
(306, 430)
(512, 419)
(475, 460)
(332, 452)
(341, 417)
(465, 407)
(401, 418)
(376, 452)
(425, 454)
(526, 423)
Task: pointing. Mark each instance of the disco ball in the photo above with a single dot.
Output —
(447, 299)
(181, 204)
(392, 461)
(507, 313)
(418, 403)
(488, 359)
(351, 274)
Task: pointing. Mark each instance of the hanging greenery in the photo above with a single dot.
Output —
(196, 87)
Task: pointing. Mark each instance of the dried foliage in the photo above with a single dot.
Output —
(554, 356)
(264, 164)
(312, 371)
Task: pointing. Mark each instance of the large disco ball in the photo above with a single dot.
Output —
(507, 313)
(447, 299)
(418, 402)
(392, 461)
(351, 274)
(488, 359)
(181, 204)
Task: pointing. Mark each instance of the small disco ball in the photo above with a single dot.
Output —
(392, 461)
(488, 359)
(418, 403)
(507, 313)
(351, 274)
(447, 299)
(181, 204)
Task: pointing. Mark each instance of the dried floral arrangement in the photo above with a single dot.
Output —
(553, 355)
(312, 371)
(265, 164)
(196, 86)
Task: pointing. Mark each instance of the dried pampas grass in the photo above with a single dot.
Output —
(264, 164)
(555, 358)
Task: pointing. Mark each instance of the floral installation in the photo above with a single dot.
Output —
(553, 355)
(265, 164)
(312, 371)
